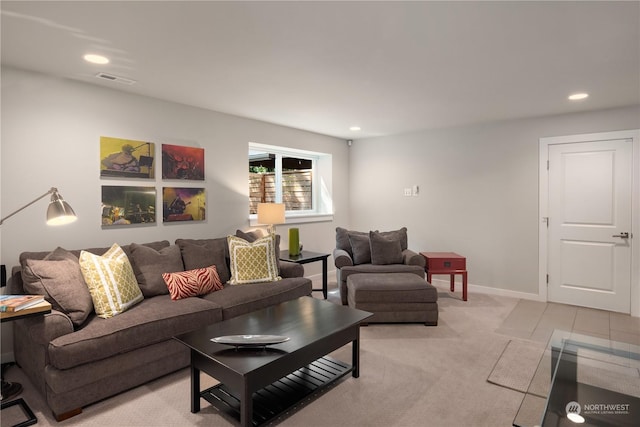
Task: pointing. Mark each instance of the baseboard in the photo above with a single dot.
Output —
(489, 290)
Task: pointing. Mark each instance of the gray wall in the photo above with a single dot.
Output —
(478, 190)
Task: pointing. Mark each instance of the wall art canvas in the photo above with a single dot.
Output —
(180, 162)
(126, 158)
(183, 204)
(123, 205)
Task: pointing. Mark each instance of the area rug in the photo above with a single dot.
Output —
(517, 365)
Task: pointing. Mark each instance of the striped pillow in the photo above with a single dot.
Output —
(192, 283)
(111, 282)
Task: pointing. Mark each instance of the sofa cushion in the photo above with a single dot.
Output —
(149, 265)
(192, 283)
(361, 248)
(253, 262)
(111, 281)
(390, 288)
(201, 253)
(58, 277)
(152, 321)
(238, 300)
(385, 250)
(24, 256)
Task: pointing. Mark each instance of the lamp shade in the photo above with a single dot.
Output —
(271, 213)
(59, 211)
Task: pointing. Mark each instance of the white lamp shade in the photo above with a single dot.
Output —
(271, 213)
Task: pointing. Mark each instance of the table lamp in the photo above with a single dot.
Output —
(271, 214)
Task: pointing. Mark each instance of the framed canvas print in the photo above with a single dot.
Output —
(183, 204)
(124, 205)
(126, 158)
(180, 162)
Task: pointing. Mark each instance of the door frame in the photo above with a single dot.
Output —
(543, 206)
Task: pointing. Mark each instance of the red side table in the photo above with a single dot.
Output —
(447, 263)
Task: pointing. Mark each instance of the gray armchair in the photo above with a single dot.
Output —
(359, 252)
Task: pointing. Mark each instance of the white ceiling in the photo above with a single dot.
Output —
(389, 67)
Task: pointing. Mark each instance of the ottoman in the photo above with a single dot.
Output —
(394, 297)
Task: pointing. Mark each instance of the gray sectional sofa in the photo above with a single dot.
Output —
(77, 358)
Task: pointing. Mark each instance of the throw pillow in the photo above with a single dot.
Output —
(111, 281)
(361, 248)
(201, 253)
(384, 251)
(253, 262)
(149, 265)
(343, 239)
(252, 236)
(193, 282)
(400, 235)
(58, 277)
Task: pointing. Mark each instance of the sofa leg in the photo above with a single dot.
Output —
(68, 414)
(431, 323)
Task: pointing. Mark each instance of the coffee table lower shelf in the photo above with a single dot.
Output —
(276, 398)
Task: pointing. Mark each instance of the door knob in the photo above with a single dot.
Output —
(624, 235)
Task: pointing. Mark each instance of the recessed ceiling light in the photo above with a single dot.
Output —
(96, 59)
(578, 96)
(354, 128)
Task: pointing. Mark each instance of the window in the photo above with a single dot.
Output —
(299, 179)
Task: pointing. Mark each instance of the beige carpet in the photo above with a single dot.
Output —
(411, 375)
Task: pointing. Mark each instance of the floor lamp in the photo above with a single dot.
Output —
(58, 213)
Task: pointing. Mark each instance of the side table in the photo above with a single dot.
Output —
(36, 310)
(447, 263)
(306, 257)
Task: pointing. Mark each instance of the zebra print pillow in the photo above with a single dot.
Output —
(192, 283)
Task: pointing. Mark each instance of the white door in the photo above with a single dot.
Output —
(589, 248)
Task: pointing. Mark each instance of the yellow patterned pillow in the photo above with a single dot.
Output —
(253, 262)
(111, 281)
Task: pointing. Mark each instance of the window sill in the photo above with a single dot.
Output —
(297, 218)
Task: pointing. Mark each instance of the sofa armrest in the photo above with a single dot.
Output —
(44, 329)
(291, 269)
(410, 257)
(341, 258)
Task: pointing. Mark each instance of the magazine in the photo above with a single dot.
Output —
(11, 303)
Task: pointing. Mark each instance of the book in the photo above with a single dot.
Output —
(11, 303)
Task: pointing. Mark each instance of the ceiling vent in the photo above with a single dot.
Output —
(112, 78)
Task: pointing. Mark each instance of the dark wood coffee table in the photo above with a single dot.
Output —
(257, 384)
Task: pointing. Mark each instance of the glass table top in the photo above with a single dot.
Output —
(592, 381)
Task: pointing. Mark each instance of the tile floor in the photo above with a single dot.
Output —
(536, 321)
